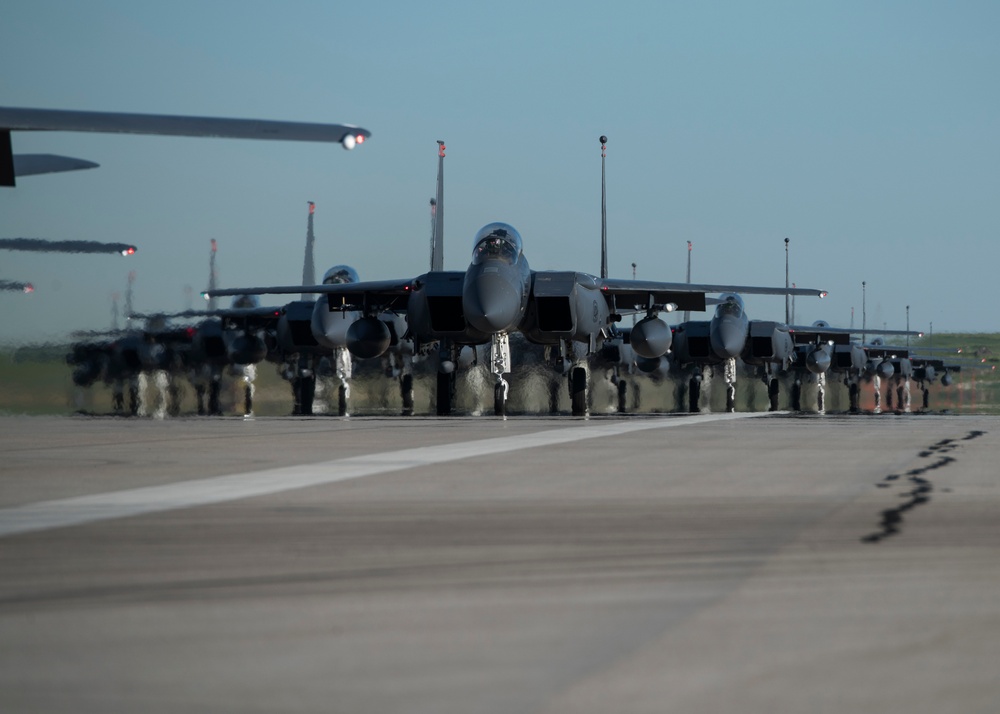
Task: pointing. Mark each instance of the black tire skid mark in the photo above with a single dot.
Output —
(891, 522)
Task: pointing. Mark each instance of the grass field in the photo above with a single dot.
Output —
(37, 380)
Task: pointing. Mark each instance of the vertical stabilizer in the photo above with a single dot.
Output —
(309, 265)
(437, 242)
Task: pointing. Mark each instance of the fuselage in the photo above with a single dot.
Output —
(498, 282)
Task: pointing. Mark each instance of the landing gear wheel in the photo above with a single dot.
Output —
(694, 394)
(342, 400)
(500, 400)
(578, 391)
(214, 408)
(307, 390)
(853, 391)
(622, 396)
(406, 391)
(796, 396)
(773, 388)
(445, 392)
(555, 387)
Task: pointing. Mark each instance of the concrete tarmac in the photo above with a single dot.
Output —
(647, 564)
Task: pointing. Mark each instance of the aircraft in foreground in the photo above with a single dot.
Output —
(23, 119)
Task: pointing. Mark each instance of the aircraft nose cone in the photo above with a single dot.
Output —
(491, 304)
(818, 361)
(727, 339)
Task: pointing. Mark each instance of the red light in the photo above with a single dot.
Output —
(189, 331)
(360, 138)
(29, 288)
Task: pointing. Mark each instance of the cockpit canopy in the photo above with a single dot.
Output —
(246, 302)
(730, 305)
(497, 241)
(341, 274)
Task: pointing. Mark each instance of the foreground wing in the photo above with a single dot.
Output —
(15, 119)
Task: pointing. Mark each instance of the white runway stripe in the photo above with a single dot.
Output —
(187, 494)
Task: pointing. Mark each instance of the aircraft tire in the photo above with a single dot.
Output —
(622, 396)
(694, 394)
(214, 408)
(499, 402)
(445, 391)
(406, 391)
(772, 393)
(342, 400)
(307, 390)
(578, 390)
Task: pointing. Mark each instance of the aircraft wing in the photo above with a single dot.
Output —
(41, 245)
(827, 330)
(33, 164)
(687, 296)
(232, 312)
(21, 119)
(15, 119)
(342, 296)
(14, 286)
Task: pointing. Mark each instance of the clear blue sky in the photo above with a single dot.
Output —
(865, 132)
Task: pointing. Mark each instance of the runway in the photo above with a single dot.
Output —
(707, 563)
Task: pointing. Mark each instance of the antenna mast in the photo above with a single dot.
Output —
(212, 277)
(604, 213)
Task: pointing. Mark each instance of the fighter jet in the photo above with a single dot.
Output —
(20, 119)
(821, 349)
(499, 294)
(730, 335)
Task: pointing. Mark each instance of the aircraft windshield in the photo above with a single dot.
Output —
(246, 302)
(340, 274)
(729, 308)
(497, 241)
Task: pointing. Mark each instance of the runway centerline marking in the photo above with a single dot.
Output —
(80, 510)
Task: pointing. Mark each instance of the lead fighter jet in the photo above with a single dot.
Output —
(499, 294)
